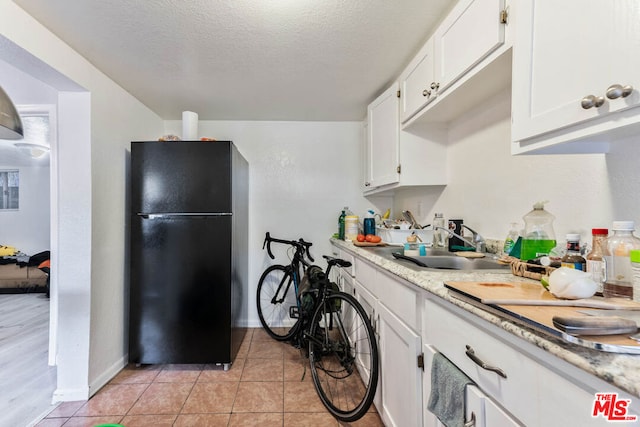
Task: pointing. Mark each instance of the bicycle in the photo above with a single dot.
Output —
(312, 312)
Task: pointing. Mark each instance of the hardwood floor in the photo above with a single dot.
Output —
(27, 381)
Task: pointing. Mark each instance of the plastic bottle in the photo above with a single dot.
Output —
(369, 223)
(617, 265)
(438, 235)
(634, 257)
(595, 258)
(351, 227)
(539, 238)
(572, 258)
(341, 224)
(511, 239)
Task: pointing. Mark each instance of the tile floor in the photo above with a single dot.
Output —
(264, 387)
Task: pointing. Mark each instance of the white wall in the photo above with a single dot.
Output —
(97, 120)
(301, 175)
(489, 188)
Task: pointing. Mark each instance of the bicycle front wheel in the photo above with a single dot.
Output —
(344, 357)
(277, 305)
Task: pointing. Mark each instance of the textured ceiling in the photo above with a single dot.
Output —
(246, 59)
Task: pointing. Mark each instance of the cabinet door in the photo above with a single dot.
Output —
(468, 34)
(401, 377)
(561, 59)
(416, 81)
(383, 138)
(369, 303)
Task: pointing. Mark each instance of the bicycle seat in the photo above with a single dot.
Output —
(337, 261)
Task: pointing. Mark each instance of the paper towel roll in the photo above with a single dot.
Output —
(189, 126)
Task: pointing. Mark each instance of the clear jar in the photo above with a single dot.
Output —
(595, 258)
(617, 265)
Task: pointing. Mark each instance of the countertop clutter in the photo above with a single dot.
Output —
(621, 370)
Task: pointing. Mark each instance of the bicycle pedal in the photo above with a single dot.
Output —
(294, 312)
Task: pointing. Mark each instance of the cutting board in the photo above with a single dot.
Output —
(364, 244)
(491, 296)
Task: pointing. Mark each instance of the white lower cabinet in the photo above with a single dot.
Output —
(401, 377)
(515, 382)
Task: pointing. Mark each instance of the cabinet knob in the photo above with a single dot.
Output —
(435, 85)
(426, 92)
(592, 101)
(617, 91)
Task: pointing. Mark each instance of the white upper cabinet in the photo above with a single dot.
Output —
(382, 149)
(418, 82)
(466, 61)
(575, 74)
(472, 30)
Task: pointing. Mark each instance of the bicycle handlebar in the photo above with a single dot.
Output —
(301, 246)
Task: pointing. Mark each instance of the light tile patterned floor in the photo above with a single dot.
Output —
(268, 385)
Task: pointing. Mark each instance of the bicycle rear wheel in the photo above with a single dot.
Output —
(277, 305)
(344, 357)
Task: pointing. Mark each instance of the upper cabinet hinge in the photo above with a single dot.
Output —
(398, 169)
(398, 93)
(421, 361)
(504, 15)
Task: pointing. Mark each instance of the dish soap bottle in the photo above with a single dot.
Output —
(369, 223)
(539, 238)
(511, 239)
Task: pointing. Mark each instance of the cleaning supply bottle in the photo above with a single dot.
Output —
(369, 223)
(539, 238)
(512, 238)
(341, 224)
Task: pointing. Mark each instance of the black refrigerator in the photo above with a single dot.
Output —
(188, 252)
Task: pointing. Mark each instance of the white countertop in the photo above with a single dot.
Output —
(622, 370)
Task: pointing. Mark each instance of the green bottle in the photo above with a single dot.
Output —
(341, 225)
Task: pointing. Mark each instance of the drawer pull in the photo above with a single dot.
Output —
(472, 355)
(472, 421)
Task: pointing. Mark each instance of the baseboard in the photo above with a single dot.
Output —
(107, 375)
(70, 395)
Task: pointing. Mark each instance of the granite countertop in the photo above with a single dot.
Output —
(622, 370)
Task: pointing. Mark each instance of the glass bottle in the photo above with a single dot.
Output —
(539, 238)
(438, 235)
(595, 258)
(341, 224)
(617, 265)
(572, 258)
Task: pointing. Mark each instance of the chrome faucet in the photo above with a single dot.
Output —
(478, 241)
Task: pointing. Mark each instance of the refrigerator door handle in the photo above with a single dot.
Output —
(182, 215)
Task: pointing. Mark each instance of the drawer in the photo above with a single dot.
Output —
(401, 299)
(450, 333)
(366, 274)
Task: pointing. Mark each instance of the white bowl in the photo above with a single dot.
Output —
(394, 235)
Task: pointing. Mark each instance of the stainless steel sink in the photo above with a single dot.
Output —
(439, 259)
